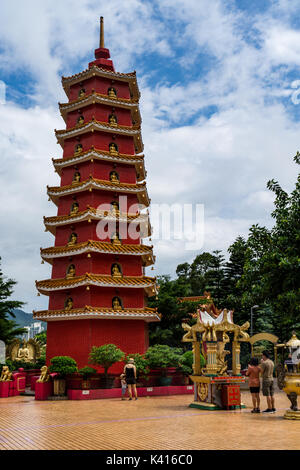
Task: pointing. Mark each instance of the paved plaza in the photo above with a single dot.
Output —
(148, 423)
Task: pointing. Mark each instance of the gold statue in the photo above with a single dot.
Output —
(70, 272)
(114, 177)
(112, 92)
(78, 150)
(80, 120)
(112, 120)
(116, 303)
(115, 271)
(221, 354)
(6, 375)
(44, 377)
(113, 150)
(23, 353)
(74, 208)
(76, 177)
(114, 206)
(81, 93)
(29, 351)
(116, 239)
(69, 304)
(72, 239)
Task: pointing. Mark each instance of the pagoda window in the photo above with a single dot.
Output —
(117, 303)
(112, 93)
(112, 119)
(76, 177)
(74, 208)
(70, 271)
(80, 120)
(115, 239)
(81, 93)
(78, 149)
(114, 177)
(72, 239)
(116, 270)
(113, 148)
(68, 303)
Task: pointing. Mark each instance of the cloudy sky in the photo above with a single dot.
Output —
(220, 103)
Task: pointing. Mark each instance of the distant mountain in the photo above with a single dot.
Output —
(23, 318)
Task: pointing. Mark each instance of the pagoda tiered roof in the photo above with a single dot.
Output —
(92, 246)
(95, 97)
(93, 125)
(95, 71)
(95, 214)
(55, 192)
(146, 313)
(88, 279)
(137, 160)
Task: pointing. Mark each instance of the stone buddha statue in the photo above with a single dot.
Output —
(76, 177)
(80, 120)
(70, 272)
(69, 304)
(116, 303)
(115, 239)
(113, 149)
(112, 92)
(114, 177)
(73, 239)
(81, 93)
(74, 208)
(78, 149)
(112, 120)
(115, 271)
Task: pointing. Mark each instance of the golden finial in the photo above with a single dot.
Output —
(101, 33)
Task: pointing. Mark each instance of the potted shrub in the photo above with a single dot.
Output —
(163, 357)
(62, 365)
(186, 364)
(106, 356)
(86, 373)
(141, 364)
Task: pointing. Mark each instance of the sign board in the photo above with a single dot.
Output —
(2, 352)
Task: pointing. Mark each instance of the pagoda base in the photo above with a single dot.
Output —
(290, 414)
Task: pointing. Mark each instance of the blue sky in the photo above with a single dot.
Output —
(219, 105)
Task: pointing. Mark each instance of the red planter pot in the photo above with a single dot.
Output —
(4, 389)
(43, 390)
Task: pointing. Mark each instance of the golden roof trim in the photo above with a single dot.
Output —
(107, 125)
(103, 247)
(114, 101)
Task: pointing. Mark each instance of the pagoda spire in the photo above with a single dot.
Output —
(101, 43)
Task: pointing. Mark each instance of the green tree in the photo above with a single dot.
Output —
(8, 328)
(105, 356)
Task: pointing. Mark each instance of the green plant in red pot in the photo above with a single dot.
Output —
(105, 356)
(86, 373)
(163, 357)
(62, 365)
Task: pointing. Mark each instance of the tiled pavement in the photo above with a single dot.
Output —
(148, 423)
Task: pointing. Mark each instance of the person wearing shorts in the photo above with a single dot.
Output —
(267, 368)
(254, 384)
(130, 374)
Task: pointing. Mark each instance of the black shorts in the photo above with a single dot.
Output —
(130, 381)
(254, 389)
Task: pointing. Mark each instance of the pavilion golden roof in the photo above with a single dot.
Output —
(93, 125)
(94, 97)
(95, 71)
(146, 313)
(137, 160)
(55, 192)
(88, 279)
(99, 247)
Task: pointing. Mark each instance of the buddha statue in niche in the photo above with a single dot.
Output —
(72, 239)
(115, 239)
(69, 303)
(112, 92)
(81, 93)
(113, 120)
(74, 208)
(76, 177)
(116, 303)
(80, 120)
(70, 272)
(114, 177)
(78, 149)
(116, 271)
(113, 149)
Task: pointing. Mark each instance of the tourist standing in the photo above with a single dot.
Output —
(267, 368)
(254, 384)
(130, 374)
(123, 385)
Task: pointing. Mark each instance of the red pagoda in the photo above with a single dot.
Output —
(98, 289)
